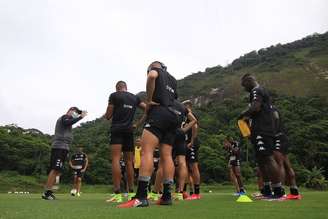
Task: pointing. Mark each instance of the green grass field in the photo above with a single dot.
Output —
(213, 205)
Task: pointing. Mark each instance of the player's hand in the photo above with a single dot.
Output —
(82, 171)
(84, 114)
(189, 145)
(134, 126)
(150, 104)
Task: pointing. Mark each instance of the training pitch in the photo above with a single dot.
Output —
(212, 205)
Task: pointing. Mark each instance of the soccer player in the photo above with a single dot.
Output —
(60, 146)
(262, 134)
(233, 149)
(121, 109)
(280, 154)
(192, 155)
(159, 129)
(79, 163)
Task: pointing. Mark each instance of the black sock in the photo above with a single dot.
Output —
(191, 193)
(242, 190)
(294, 191)
(130, 190)
(185, 187)
(267, 190)
(197, 188)
(142, 187)
(278, 191)
(117, 191)
(167, 188)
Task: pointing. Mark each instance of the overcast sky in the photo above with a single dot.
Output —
(58, 53)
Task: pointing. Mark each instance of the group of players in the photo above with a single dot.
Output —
(171, 126)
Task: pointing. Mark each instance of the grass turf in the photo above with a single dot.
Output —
(213, 205)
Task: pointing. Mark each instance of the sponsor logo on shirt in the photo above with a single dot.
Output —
(127, 106)
(169, 89)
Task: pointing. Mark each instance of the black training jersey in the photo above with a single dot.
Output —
(79, 159)
(165, 88)
(234, 152)
(262, 122)
(189, 134)
(125, 105)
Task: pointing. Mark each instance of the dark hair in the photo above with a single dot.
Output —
(120, 84)
(247, 76)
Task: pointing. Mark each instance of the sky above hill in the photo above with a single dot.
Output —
(60, 53)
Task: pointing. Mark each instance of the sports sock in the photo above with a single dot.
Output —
(278, 191)
(267, 189)
(167, 188)
(142, 187)
(185, 187)
(197, 188)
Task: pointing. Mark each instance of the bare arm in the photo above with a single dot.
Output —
(150, 86)
(192, 121)
(109, 112)
(86, 163)
(70, 164)
(143, 106)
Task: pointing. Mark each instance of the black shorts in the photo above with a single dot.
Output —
(192, 154)
(78, 173)
(57, 158)
(123, 138)
(162, 123)
(179, 146)
(263, 145)
(281, 144)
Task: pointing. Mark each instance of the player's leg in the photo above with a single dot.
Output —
(237, 173)
(279, 158)
(168, 173)
(291, 179)
(158, 187)
(116, 150)
(78, 185)
(233, 179)
(183, 172)
(57, 160)
(128, 157)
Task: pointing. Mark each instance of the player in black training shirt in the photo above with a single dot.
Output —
(121, 109)
(232, 147)
(79, 163)
(262, 133)
(159, 129)
(192, 155)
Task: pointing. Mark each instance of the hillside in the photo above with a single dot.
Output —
(298, 69)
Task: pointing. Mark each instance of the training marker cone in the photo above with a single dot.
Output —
(244, 198)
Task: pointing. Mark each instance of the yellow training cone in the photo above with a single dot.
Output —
(244, 198)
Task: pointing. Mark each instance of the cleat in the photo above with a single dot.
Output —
(276, 198)
(178, 196)
(294, 197)
(185, 195)
(194, 197)
(165, 201)
(153, 196)
(236, 194)
(78, 194)
(115, 198)
(48, 196)
(134, 203)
